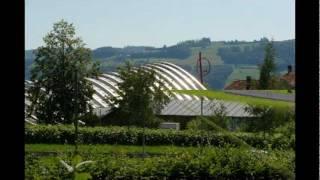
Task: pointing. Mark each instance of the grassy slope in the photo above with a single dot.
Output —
(240, 73)
(237, 98)
(209, 52)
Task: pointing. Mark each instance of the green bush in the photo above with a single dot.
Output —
(219, 115)
(214, 163)
(90, 119)
(196, 124)
(218, 118)
(200, 124)
(267, 118)
(44, 168)
(268, 141)
(64, 134)
(212, 124)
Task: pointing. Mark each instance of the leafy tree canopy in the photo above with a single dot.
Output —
(59, 73)
(141, 95)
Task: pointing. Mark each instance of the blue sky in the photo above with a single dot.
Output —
(121, 23)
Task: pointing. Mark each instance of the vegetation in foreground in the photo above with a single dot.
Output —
(221, 163)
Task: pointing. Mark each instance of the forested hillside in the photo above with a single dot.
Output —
(253, 53)
(230, 60)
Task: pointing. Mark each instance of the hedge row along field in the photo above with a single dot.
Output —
(215, 163)
(62, 134)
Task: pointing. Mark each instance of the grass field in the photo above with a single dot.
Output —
(210, 53)
(237, 98)
(241, 72)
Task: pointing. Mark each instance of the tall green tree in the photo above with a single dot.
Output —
(60, 89)
(141, 96)
(268, 67)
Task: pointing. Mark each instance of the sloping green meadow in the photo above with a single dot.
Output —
(220, 95)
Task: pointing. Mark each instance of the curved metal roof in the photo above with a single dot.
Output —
(173, 77)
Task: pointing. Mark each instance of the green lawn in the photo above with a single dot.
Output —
(220, 95)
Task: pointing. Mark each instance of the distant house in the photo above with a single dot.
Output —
(247, 84)
(287, 79)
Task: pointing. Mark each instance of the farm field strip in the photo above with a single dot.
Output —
(220, 95)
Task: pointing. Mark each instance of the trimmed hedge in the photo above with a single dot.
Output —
(64, 134)
(216, 163)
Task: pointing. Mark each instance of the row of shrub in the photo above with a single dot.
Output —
(64, 134)
(216, 163)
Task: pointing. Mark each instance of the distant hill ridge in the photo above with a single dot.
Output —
(229, 58)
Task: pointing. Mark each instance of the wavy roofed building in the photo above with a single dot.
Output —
(174, 77)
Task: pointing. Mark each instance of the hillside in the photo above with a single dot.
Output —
(230, 60)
